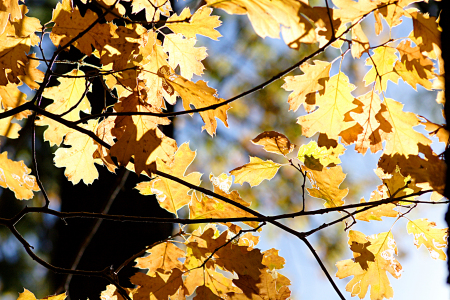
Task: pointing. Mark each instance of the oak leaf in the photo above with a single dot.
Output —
(203, 292)
(255, 171)
(15, 176)
(164, 256)
(158, 286)
(360, 42)
(336, 101)
(199, 95)
(266, 17)
(375, 213)
(17, 40)
(8, 128)
(172, 195)
(11, 97)
(211, 279)
(325, 185)
(433, 239)
(366, 132)
(183, 53)
(402, 138)
(69, 100)
(153, 8)
(27, 295)
(382, 63)
(69, 23)
(78, 159)
(266, 287)
(138, 136)
(373, 257)
(426, 33)
(324, 155)
(10, 10)
(201, 22)
(274, 142)
(304, 87)
(32, 73)
(272, 260)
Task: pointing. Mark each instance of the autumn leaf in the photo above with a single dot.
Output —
(336, 101)
(69, 23)
(208, 207)
(373, 258)
(17, 40)
(10, 10)
(402, 139)
(268, 16)
(11, 97)
(267, 287)
(375, 213)
(199, 95)
(360, 42)
(211, 279)
(183, 53)
(139, 136)
(78, 159)
(324, 155)
(170, 194)
(304, 87)
(433, 239)
(201, 22)
(162, 257)
(382, 68)
(32, 73)
(426, 33)
(158, 286)
(27, 295)
(15, 176)
(274, 142)
(202, 292)
(366, 133)
(255, 171)
(8, 128)
(325, 185)
(153, 8)
(272, 260)
(440, 131)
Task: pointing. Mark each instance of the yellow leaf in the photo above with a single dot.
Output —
(78, 159)
(440, 131)
(8, 128)
(153, 8)
(15, 176)
(336, 101)
(255, 171)
(268, 16)
(373, 257)
(208, 277)
(10, 10)
(32, 73)
(199, 95)
(171, 195)
(304, 87)
(17, 39)
(360, 42)
(272, 260)
(201, 22)
(158, 286)
(138, 136)
(69, 23)
(269, 286)
(433, 239)
(12, 97)
(384, 59)
(375, 213)
(352, 11)
(326, 156)
(426, 33)
(325, 185)
(208, 207)
(164, 256)
(274, 142)
(68, 97)
(183, 53)
(401, 138)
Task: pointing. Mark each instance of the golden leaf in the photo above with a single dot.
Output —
(158, 286)
(164, 256)
(375, 213)
(69, 99)
(336, 101)
(201, 22)
(433, 239)
(15, 176)
(12, 97)
(304, 87)
(274, 142)
(373, 257)
(10, 10)
(382, 62)
(326, 156)
(360, 42)
(171, 195)
(69, 23)
(153, 8)
(325, 185)
(78, 159)
(255, 171)
(183, 53)
(426, 33)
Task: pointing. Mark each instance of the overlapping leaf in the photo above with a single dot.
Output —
(170, 194)
(274, 142)
(255, 171)
(433, 239)
(16, 176)
(373, 258)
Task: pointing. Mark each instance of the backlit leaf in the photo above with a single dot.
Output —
(255, 171)
(274, 142)
(433, 239)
